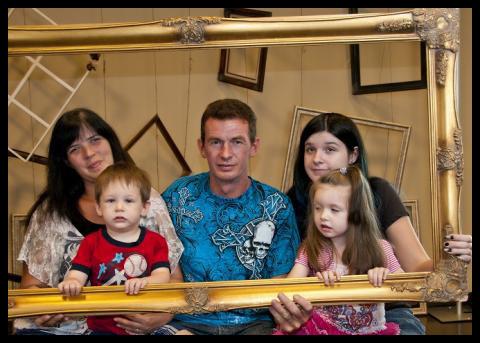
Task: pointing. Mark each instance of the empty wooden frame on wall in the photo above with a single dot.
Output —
(439, 28)
(251, 73)
(359, 88)
(186, 170)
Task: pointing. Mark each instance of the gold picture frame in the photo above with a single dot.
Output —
(438, 27)
(412, 208)
(17, 233)
(301, 117)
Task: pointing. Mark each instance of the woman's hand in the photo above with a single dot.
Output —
(143, 323)
(290, 315)
(459, 246)
(50, 320)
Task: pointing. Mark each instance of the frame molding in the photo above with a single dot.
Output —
(439, 28)
(206, 297)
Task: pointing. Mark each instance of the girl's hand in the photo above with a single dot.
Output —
(459, 246)
(70, 287)
(377, 275)
(329, 277)
(133, 286)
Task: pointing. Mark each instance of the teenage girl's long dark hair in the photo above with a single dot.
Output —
(341, 127)
(64, 185)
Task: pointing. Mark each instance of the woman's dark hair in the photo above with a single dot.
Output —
(341, 127)
(64, 185)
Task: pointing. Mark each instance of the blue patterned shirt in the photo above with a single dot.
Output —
(254, 236)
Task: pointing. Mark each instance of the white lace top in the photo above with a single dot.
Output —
(49, 248)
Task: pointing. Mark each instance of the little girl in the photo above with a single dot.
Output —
(343, 238)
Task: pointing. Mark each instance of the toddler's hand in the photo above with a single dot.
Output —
(70, 287)
(377, 275)
(133, 286)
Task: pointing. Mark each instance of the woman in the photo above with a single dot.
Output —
(331, 141)
(82, 145)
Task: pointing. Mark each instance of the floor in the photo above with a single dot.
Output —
(435, 327)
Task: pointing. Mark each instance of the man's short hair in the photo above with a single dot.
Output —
(230, 109)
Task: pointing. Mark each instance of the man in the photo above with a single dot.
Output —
(232, 226)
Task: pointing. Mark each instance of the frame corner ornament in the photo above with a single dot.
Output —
(191, 29)
(448, 282)
(439, 27)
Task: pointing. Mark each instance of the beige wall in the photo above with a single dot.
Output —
(128, 89)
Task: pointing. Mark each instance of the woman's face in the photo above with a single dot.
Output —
(89, 154)
(325, 152)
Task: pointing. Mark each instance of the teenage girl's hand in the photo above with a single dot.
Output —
(459, 246)
(329, 277)
(133, 286)
(377, 275)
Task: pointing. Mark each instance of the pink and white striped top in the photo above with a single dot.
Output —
(325, 255)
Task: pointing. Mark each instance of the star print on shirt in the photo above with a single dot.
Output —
(103, 269)
(118, 258)
(118, 278)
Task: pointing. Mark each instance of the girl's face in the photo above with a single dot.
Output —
(325, 152)
(89, 154)
(330, 210)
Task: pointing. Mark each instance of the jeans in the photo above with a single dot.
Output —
(403, 316)
(262, 327)
(35, 332)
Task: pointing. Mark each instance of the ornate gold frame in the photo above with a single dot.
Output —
(439, 28)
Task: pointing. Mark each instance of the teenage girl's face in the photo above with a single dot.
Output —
(89, 154)
(330, 210)
(325, 152)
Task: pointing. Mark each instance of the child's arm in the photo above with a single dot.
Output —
(73, 283)
(159, 275)
(298, 270)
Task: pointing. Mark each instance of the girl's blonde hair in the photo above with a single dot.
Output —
(362, 251)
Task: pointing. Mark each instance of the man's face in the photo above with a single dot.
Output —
(227, 148)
